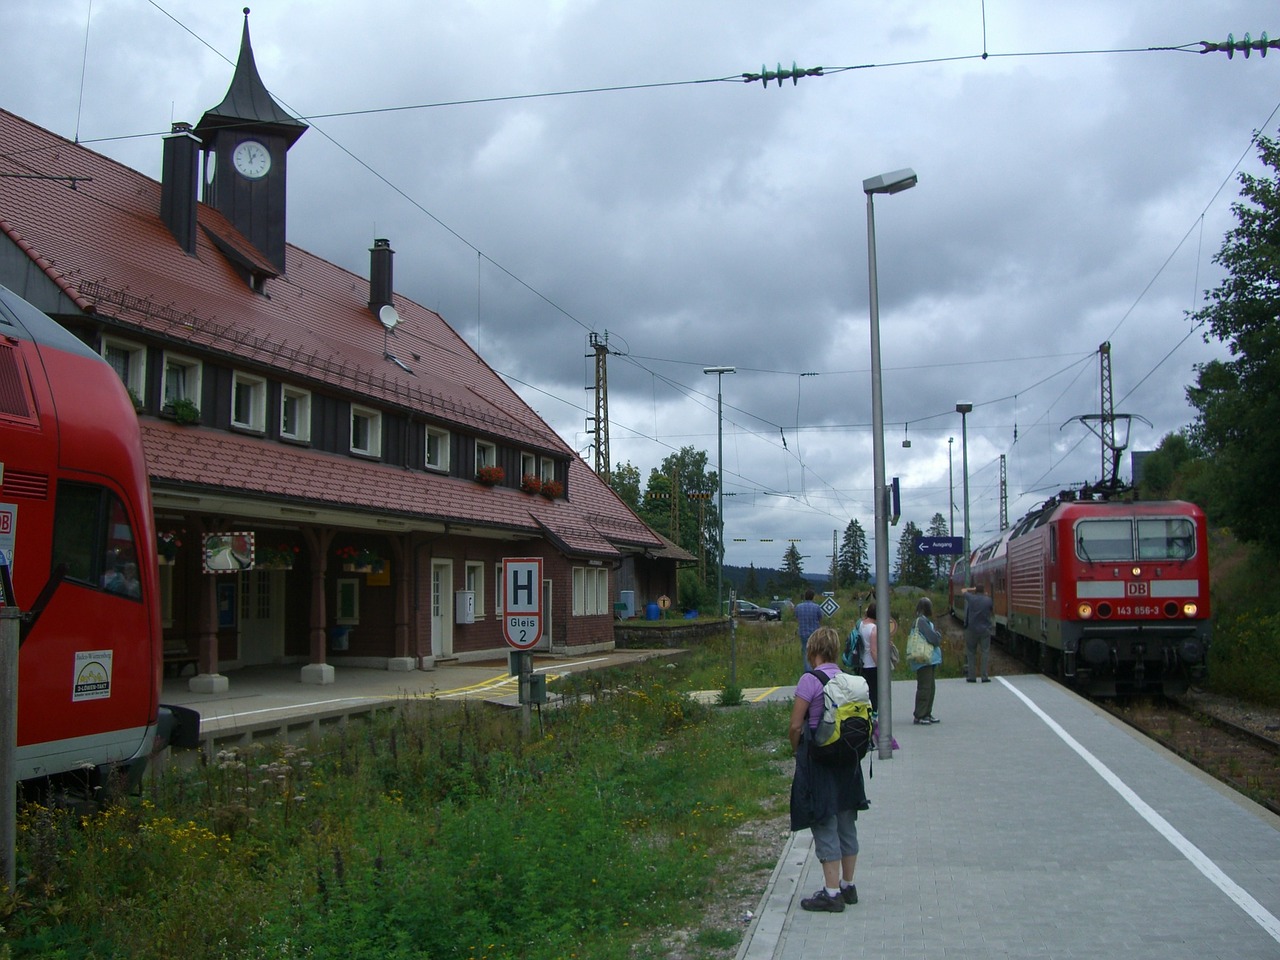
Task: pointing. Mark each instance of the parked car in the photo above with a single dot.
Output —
(782, 606)
(749, 611)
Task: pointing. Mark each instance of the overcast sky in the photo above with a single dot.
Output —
(1065, 198)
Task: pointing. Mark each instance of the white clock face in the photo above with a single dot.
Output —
(251, 159)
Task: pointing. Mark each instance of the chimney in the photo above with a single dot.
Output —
(178, 183)
(380, 285)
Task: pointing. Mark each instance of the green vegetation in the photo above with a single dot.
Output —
(1244, 659)
(439, 832)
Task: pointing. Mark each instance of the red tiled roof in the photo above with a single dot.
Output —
(104, 244)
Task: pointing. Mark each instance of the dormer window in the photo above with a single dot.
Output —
(486, 455)
(437, 457)
(548, 470)
(181, 379)
(366, 432)
(129, 361)
(295, 414)
(248, 402)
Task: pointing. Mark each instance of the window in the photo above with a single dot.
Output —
(548, 469)
(1104, 540)
(295, 414)
(486, 455)
(528, 465)
(437, 448)
(590, 591)
(248, 402)
(475, 583)
(347, 608)
(497, 589)
(93, 537)
(181, 379)
(366, 432)
(129, 361)
(1166, 539)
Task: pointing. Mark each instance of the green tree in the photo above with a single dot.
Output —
(792, 575)
(683, 478)
(938, 528)
(750, 586)
(625, 481)
(912, 568)
(852, 564)
(1238, 400)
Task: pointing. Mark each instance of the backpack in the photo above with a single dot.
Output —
(844, 731)
(851, 658)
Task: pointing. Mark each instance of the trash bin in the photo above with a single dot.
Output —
(339, 638)
(652, 611)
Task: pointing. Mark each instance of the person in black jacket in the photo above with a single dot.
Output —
(825, 799)
(977, 632)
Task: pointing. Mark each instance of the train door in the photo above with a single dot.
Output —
(261, 619)
(441, 608)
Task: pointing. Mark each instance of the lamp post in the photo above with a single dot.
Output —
(951, 486)
(887, 183)
(720, 372)
(963, 409)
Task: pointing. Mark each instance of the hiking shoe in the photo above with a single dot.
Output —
(821, 901)
(931, 719)
(849, 894)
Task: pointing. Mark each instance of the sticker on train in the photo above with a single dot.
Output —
(93, 676)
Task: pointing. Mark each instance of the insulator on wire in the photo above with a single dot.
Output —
(780, 74)
(1245, 46)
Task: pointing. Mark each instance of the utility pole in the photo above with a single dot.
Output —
(600, 422)
(1004, 496)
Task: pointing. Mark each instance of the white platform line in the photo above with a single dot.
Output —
(1256, 911)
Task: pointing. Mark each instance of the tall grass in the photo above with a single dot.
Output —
(438, 831)
(1244, 657)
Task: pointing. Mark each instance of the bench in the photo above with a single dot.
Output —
(177, 659)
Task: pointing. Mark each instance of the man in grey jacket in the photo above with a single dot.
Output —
(977, 632)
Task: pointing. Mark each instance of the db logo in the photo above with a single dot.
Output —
(1137, 589)
(6, 522)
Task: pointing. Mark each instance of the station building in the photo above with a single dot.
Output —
(382, 467)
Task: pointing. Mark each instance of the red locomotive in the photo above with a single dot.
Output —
(78, 537)
(1111, 595)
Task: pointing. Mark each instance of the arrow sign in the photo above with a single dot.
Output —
(940, 546)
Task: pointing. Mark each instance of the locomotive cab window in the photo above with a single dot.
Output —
(1166, 539)
(1098, 540)
(93, 537)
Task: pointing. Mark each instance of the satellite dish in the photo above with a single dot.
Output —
(388, 317)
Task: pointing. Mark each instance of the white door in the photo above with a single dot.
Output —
(261, 616)
(545, 642)
(441, 608)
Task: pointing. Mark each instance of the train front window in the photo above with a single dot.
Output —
(1171, 538)
(93, 537)
(1098, 540)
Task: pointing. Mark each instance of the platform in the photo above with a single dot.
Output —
(1028, 823)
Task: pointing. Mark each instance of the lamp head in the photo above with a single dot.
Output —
(894, 182)
(964, 408)
(719, 369)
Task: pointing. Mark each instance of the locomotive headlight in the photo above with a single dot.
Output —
(1137, 571)
(1190, 609)
(1084, 611)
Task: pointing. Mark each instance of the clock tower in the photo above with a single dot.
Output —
(246, 140)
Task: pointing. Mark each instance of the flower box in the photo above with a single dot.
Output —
(530, 483)
(552, 489)
(491, 476)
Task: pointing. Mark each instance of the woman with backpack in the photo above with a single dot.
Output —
(825, 799)
(866, 651)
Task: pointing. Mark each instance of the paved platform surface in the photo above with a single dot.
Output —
(1029, 824)
(263, 700)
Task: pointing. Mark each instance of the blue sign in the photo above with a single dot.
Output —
(940, 546)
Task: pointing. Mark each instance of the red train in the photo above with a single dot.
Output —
(1111, 595)
(78, 536)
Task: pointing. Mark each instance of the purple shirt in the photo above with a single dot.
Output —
(808, 616)
(810, 688)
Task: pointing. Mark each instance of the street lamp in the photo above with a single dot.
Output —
(963, 409)
(894, 182)
(951, 486)
(720, 372)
